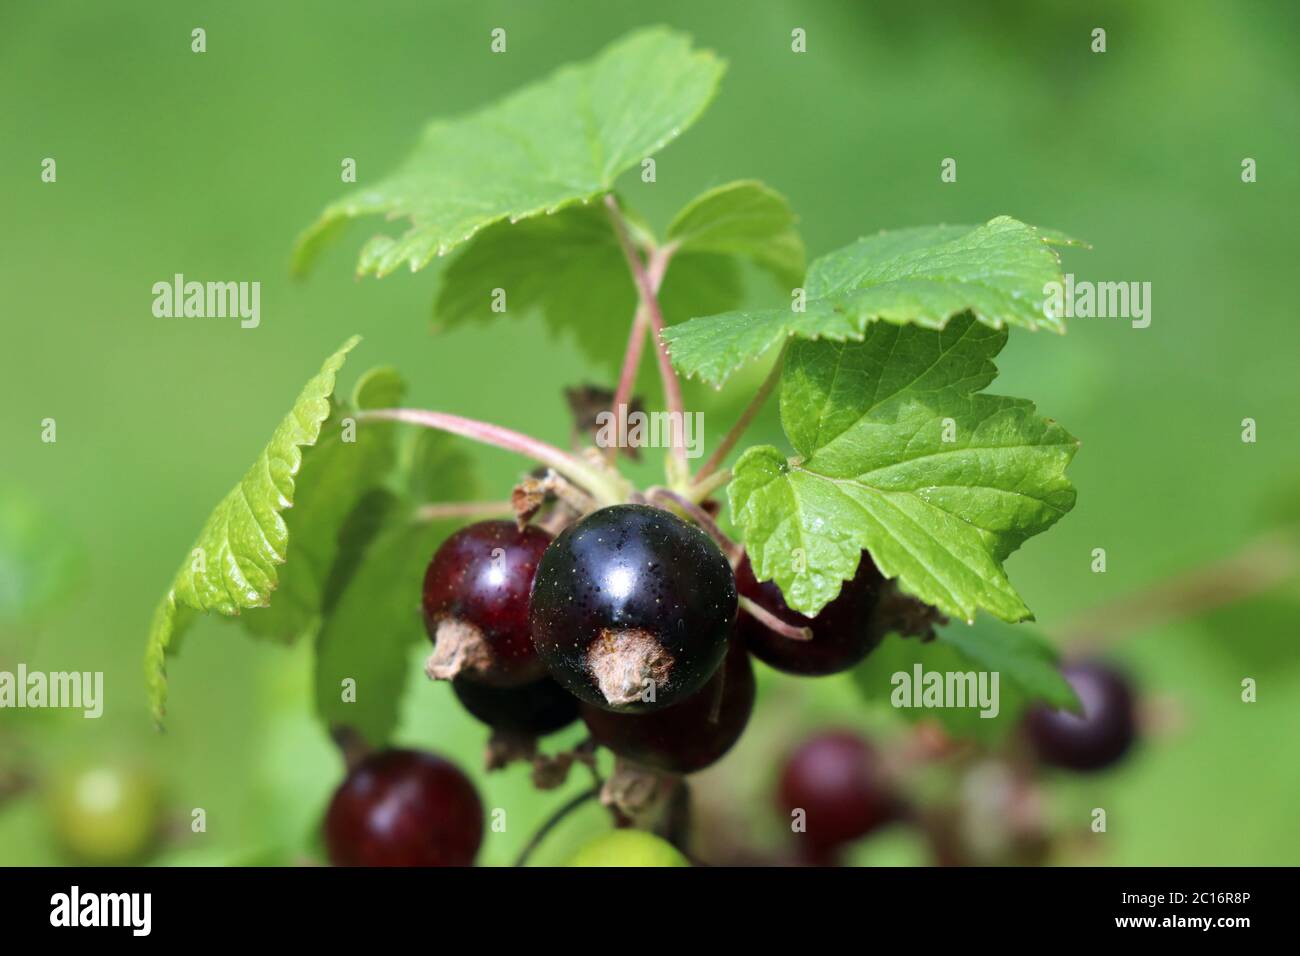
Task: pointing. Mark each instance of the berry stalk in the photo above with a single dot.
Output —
(772, 622)
(697, 514)
(746, 417)
(552, 822)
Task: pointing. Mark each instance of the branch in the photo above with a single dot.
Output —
(648, 289)
(608, 487)
(453, 510)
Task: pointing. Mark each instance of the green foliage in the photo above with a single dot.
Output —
(558, 142)
(1025, 662)
(336, 474)
(899, 453)
(373, 620)
(233, 564)
(745, 219)
(924, 276)
(569, 269)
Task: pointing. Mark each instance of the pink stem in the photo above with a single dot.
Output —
(649, 292)
(602, 485)
(451, 510)
(631, 358)
(774, 623)
(746, 417)
(700, 517)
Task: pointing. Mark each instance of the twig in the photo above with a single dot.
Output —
(746, 417)
(552, 822)
(452, 510)
(610, 488)
(631, 364)
(648, 291)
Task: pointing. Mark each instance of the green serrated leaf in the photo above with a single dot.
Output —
(927, 276)
(745, 219)
(1020, 654)
(339, 469)
(569, 270)
(374, 620)
(437, 469)
(233, 565)
(1026, 665)
(903, 456)
(558, 142)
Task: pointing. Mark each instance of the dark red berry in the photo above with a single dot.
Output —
(532, 710)
(836, 779)
(688, 736)
(842, 634)
(404, 808)
(1098, 738)
(632, 608)
(476, 604)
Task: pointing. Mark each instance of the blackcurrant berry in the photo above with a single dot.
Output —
(532, 710)
(632, 608)
(835, 786)
(842, 634)
(404, 808)
(688, 736)
(476, 604)
(1098, 738)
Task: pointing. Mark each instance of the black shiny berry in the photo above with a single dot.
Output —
(632, 608)
(834, 789)
(688, 736)
(532, 710)
(476, 604)
(843, 633)
(1101, 735)
(404, 808)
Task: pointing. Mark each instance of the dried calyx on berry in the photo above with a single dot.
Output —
(632, 608)
(688, 736)
(476, 604)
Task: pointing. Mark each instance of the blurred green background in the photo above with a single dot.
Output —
(210, 164)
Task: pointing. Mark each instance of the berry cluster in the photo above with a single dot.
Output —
(627, 619)
(640, 624)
